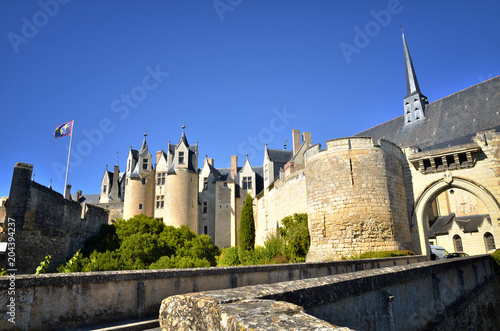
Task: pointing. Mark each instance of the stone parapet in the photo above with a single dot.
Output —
(413, 297)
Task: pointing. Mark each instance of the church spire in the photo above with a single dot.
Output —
(415, 101)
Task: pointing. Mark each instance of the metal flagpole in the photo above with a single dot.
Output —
(67, 193)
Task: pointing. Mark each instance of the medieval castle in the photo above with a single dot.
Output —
(429, 176)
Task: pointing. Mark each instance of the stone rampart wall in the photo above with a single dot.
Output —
(46, 223)
(356, 198)
(286, 197)
(456, 294)
(65, 301)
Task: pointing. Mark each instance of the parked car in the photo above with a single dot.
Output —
(438, 252)
(452, 255)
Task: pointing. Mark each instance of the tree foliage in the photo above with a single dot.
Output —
(246, 231)
(143, 243)
(295, 234)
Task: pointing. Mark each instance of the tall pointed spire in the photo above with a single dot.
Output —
(415, 101)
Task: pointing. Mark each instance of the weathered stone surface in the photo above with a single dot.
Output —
(410, 297)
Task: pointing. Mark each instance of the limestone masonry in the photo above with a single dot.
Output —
(428, 177)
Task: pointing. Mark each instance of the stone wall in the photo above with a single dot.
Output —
(285, 197)
(356, 198)
(46, 223)
(66, 301)
(455, 294)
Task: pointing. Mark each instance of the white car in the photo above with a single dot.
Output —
(438, 252)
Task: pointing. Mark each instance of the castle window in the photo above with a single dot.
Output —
(160, 201)
(128, 165)
(247, 182)
(205, 183)
(457, 242)
(181, 157)
(205, 207)
(143, 181)
(225, 184)
(489, 242)
(104, 189)
(145, 164)
(160, 178)
(205, 229)
(140, 206)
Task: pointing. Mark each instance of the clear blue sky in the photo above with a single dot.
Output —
(237, 73)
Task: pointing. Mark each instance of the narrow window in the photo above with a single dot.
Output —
(205, 207)
(225, 184)
(205, 183)
(205, 229)
(145, 164)
(104, 189)
(143, 181)
(140, 206)
(489, 241)
(457, 241)
(181, 157)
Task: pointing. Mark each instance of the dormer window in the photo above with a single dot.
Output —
(205, 183)
(104, 189)
(145, 164)
(247, 182)
(181, 157)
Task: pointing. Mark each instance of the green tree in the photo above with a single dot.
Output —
(246, 232)
(295, 234)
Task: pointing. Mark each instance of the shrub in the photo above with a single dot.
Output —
(229, 257)
(377, 255)
(295, 234)
(496, 257)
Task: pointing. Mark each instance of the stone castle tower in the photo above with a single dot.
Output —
(356, 198)
(181, 189)
(139, 182)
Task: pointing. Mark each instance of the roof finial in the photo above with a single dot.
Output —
(145, 133)
(401, 26)
(183, 126)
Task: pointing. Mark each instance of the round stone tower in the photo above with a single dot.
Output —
(356, 198)
(181, 189)
(139, 183)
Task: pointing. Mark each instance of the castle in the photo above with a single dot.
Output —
(428, 176)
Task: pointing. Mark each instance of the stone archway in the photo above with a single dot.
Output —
(434, 189)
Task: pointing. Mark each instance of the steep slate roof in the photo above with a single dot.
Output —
(280, 157)
(468, 224)
(450, 121)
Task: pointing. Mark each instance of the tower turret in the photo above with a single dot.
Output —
(415, 101)
(181, 187)
(140, 181)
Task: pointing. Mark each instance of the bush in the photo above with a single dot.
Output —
(295, 234)
(496, 257)
(229, 257)
(246, 231)
(377, 255)
(141, 243)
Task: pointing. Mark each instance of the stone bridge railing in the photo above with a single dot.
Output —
(454, 294)
(66, 301)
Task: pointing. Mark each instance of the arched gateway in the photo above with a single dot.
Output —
(436, 188)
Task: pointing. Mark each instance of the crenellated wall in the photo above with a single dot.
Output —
(356, 200)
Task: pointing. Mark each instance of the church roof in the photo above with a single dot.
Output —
(452, 120)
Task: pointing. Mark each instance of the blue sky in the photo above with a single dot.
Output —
(236, 73)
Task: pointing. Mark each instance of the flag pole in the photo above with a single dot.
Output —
(66, 191)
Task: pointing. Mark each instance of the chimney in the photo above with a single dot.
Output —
(234, 166)
(78, 195)
(158, 155)
(115, 192)
(211, 162)
(295, 140)
(306, 137)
